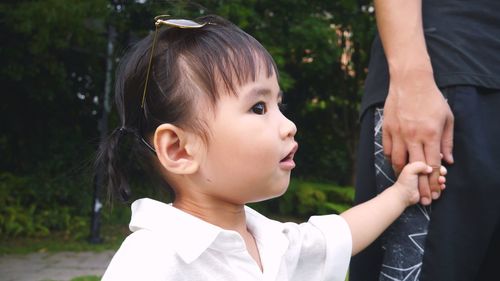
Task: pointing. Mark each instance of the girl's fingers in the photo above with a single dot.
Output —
(442, 180)
(419, 167)
(443, 171)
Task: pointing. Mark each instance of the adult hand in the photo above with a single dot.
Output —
(418, 126)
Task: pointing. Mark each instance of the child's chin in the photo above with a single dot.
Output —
(280, 191)
(276, 194)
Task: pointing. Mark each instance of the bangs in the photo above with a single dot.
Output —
(192, 65)
(219, 58)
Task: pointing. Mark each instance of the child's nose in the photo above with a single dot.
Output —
(288, 129)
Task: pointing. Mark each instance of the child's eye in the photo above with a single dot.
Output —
(259, 108)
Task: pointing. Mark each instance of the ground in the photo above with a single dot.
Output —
(59, 266)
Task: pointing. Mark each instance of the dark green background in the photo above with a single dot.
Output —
(53, 68)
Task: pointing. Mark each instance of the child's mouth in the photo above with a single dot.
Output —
(287, 163)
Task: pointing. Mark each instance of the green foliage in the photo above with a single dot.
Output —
(112, 235)
(53, 68)
(25, 212)
(304, 199)
(51, 72)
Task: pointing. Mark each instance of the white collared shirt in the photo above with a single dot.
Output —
(170, 245)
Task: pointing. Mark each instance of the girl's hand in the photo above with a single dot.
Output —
(407, 183)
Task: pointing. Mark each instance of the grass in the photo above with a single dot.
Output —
(112, 236)
(87, 278)
(83, 278)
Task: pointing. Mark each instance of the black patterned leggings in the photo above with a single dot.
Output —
(403, 243)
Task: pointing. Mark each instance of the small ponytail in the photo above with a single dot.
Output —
(113, 166)
(123, 160)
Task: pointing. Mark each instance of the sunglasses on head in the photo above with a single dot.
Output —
(159, 21)
(164, 20)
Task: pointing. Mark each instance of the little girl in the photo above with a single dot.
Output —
(199, 105)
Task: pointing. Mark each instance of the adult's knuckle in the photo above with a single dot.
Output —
(399, 164)
(387, 154)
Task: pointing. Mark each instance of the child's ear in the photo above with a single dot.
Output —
(176, 149)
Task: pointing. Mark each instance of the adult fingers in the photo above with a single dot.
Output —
(387, 143)
(447, 139)
(433, 159)
(416, 153)
(399, 155)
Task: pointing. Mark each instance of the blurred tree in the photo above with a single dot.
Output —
(53, 67)
(52, 70)
(51, 76)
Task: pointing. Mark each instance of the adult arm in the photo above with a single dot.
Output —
(418, 123)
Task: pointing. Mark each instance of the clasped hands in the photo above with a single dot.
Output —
(418, 127)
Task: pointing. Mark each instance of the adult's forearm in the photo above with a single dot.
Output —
(401, 30)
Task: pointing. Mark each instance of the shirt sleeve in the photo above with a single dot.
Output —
(139, 258)
(320, 249)
(338, 245)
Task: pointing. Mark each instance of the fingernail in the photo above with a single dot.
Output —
(425, 201)
(435, 195)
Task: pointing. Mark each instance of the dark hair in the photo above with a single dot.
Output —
(187, 64)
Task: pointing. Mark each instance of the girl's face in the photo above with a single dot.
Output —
(249, 155)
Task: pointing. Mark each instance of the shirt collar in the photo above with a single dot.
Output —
(191, 236)
(188, 235)
(271, 239)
